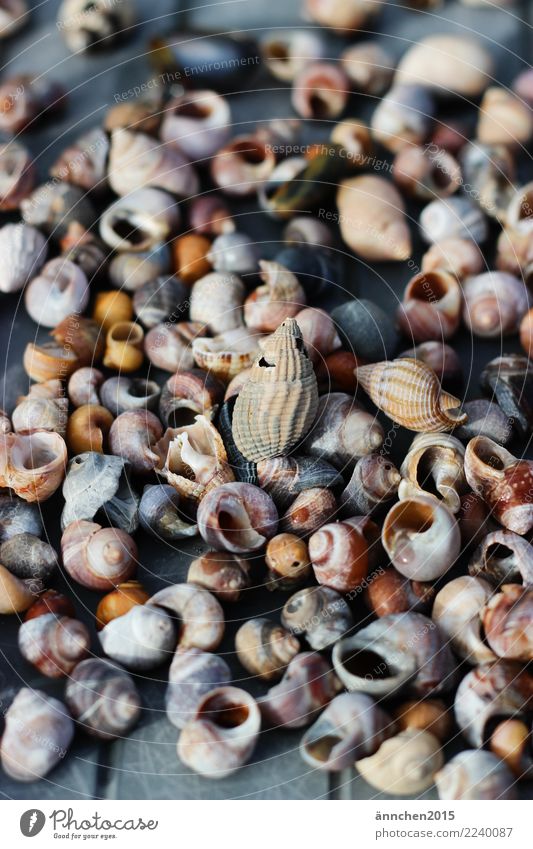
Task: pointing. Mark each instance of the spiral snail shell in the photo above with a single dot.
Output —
(60, 290)
(225, 575)
(320, 614)
(307, 686)
(494, 303)
(54, 644)
(475, 774)
(137, 161)
(141, 639)
(405, 764)
(193, 673)
(96, 557)
(33, 465)
(339, 556)
(431, 307)
(434, 464)
(103, 699)
(280, 297)
(265, 648)
(457, 611)
(134, 436)
(202, 617)
(18, 175)
(237, 517)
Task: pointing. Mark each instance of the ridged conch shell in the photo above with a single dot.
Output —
(409, 392)
(278, 404)
(372, 219)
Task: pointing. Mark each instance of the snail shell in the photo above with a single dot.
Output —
(162, 514)
(485, 418)
(475, 775)
(202, 617)
(425, 715)
(350, 728)
(38, 733)
(32, 465)
(16, 595)
(138, 161)
(26, 556)
(319, 333)
(453, 218)
(494, 303)
(54, 206)
(265, 648)
(341, 16)
(103, 699)
(374, 481)
(222, 734)
(311, 509)
(54, 644)
(88, 428)
(286, 53)
(409, 393)
(96, 557)
(425, 173)
(92, 24)
(159, 298)
(441, 358)
(83, 163)
(18, 517)
(280, 297)
(339, 556)
(223, 574)
(389, 592)
(237, 517)
(111, 307)
(134, 436)
(211, 215)
(320, 91)
(119, 601)
(60, 290)
(34, 412)
(504, 119)
(434, 465)
(49, 361)
(451, 64)
(503, 557)
(141, 639)
(193, 673)
(216, 301)
(343, 431)
(18, 175)
(23, 250)
(226, 355)
(197, 123)
(26, 99)
(190, 253)
(319, 613)
(139, 222)
(457, 611)
(131, 269)
(372, 219)
(122, 394)
(308, 685)
(511, 381)
(100, 482)
(241, 166)
(233, 252)
(366, 330)
(369, 67)
(421, 537)
(460, 257)
(431, 307)
(404, 765)
(187, 394)
(124, 346)
(404, 117)
(84, 385)
(491, 171)
(287, 559)
(285, 477)
(244, 470)
(169, 346)
(507, 622)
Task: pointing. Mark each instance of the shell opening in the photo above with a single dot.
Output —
(129, 232)
(192, 109)
(497, 553)
(318, 104)
(525, 212)
(251, 153)
(413, 517)
(429, 287)
(485, 453)
(182, 416)
(321, 749)
(366, 663)
(223, 712)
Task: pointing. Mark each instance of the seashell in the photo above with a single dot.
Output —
(13, 16)
(237, 517)
(404, 765)
(434, 465)
(424, 407)
(307, 686)
(507, 623)
(131, 270)
(318, 331)
(33, 465)
(287, 52)
(342, 17)
(503, 481)
(474, 519)
(103, 699)
(49, 361)
(15, 594)
(264, 648)
(88, 428)
(54, 206)
(504, 119)
(317, 269)
(18, 175)
(503, 557)
(431, 306)
(100, 482)
(222, 734)
(54, 644)
(287, 559)
(162, 514)
(457, 612)
(460, 257)
(122, 394)
(34, 412)
(453, 218)
(26, 556)
(210, 214)
(193, 673)
(119, 601)
(195, 459)
(216, 301)
(98, 558)
(342, 431)
(339, 556)
(394, 652)
(197, 123)
(374, 481)
(511, 381)
(351, 727)
(320, 91)
(124, 346)
(280, 297)
(169, 346)
(242, 165)
(243, 470)
(320, 614)
(491, 692)
(449, 64)
(83, 163)
(226, 355)
(202, 617)
(403, 117)
(187, 394)
(285, 173)
(306, 231)
(421, 537)
(441, 358)
(366, 329)
(133, 436)
(494, 303)
(5, 422)
(26, 100)
(387, 591)
(225, 575)
(285, 477)
(84, 385)
(518, 216)
(82, 335)
(38, 733)
(53, 602)
(190, 254)
(369, 67)
(233, 252)
(511, 742)
(140, 222)
(84, 249)
(142, 114)
(111, 308)
(372, 219)
(490, 172)
(137, 161)
(311, 509)
(475, 775)
(485, 418)
(425, 174)
(158, 299)
(141, 639)
(23, 250)
(92, 26)
(59, 290)
(18, 517)
(426, 715)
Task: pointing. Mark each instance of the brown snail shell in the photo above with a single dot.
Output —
(475, 775)
(119, 601)
(354, 138)
(403, 117)
(216, 301)
(169, 346)
(226, 355)
(461, 257)
(23, 250)
(96, 557)
(225, 575)
(280, 297)
(237, 517)
(134, 435)
(241, 166)
(431, 307)
(33, 465)
(287, 559)
(427, 715)
(404, 765)
(15, 594)
(421, 537)
(18, 175)
(426, 174)
(434, 465)
(503, 557)
(511, 741)
(112, 307)
(311, 509)
(504, 119)
(320, 614)
(343, 431)
(409, 393)
(339, 556)
(141, 639)
(441, 358)
(388, 591)
(320, 91)
(51, 601)
(450, 64)
(190, 253)
(372, 219)
(187, 394)
(193, 673)
(494, 303)
(81, 334)
(265, 648)
(124, 347)
(474, 520)
(138, 161)
(222, 734)
(374, 481)
(202, 617)
(457, 611)
(103, 699)
(308, 685)
(54, 644)
(88, 428)
(83, 386)
(38, 733)
(507, 622)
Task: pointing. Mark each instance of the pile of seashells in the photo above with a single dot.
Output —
(191, 386)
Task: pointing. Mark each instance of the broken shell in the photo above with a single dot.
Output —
(308, 685)
(98, 558)
(287, 559)
(187, 394)
(285, 477)
(404, 117)
(405, 764)
(138, 161)
(426, 174)
(421, 537)
(202, 617)
(511, 380)
(88, 428)
(426, 715)
(287, 52)
(457, 611)
(227, 354)
(320, 91)
(434, 465)
(54, 644)
(449, 64)
(112, 307)
(38, 733)
(372, 219)
(369, 67)
(141, 639)
(409, 393)
(140, 222)
(453, 218)
(366, 329)
(197, 123)
(504, 119)
(431, 306)
(103, 699)
(265, 648)
(82, 336)
(84, 385)
(342, 431)
(309, 511)
(475, 775)
(494, 303)
(33, 465)
(60, 289)
(162, 514)
(122, 394)
(216, 301)
(158, 299)
(507, 623)
(100, 482)
(23, 250)
(280, 297)
(49, 361)
(503, 557)
(339, 556)
(210, 214)
(124, 346)
(119, 601)
(223, 733)
(169, 346)
(374, 481)
(485, 418)
(387, 591)
(242, 165)
(18, 175)
(133, 436)
(193, 673)
(320, 614)
(460, 257)
(26, 556)
(15, 594)
(237, 517)
(319, 332)
(225, 575)
(354, 138)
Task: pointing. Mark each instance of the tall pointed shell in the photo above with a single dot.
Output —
(372, 219)
(409, 392)
(278, 404)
